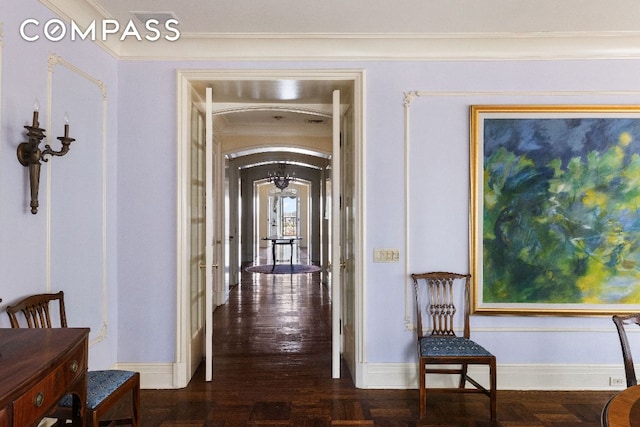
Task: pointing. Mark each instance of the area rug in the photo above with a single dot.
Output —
(283, 269)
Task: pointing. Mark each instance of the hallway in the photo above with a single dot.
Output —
(272, 367)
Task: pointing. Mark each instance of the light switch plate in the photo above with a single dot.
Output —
(386, 255)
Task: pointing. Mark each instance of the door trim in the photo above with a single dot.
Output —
(185, 79)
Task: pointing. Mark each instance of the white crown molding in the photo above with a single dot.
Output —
(360, 46)
(503, 46)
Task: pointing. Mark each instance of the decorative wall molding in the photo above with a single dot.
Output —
(412, 96)
(53, 62)
(57, 59)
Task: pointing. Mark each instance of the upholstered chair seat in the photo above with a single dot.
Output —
(100, 386)
(450, 346)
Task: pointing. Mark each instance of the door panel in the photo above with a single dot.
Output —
(347, 240)
(197, 240)
(336, 255)
(210, 241)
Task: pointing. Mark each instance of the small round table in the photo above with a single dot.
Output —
(623, 409)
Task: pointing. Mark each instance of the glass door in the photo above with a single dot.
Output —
(284, 218)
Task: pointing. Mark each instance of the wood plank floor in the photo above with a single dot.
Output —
(272, 367)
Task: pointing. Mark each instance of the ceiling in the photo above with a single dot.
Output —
(273, 106)
(350, 30)
(386, 16)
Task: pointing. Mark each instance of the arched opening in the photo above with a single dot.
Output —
(251, 218)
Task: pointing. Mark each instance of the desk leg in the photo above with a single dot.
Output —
(78, 411)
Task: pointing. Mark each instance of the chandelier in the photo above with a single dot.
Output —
(281, 177)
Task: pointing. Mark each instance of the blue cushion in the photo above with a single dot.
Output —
(100, 385)
(450, 346)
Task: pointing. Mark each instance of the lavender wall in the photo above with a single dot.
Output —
(70, 243)
(439, 137)
(141, 190)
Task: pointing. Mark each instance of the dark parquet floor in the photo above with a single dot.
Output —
(272, 367)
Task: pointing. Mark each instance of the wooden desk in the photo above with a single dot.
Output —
(37, 368)
(283, 240)
(623, 409)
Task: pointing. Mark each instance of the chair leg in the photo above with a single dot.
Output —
(135, 403)
(423, 390)
(463, 375)
(492, 390)
(92, 418)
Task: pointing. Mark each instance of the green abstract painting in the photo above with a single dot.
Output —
(556, 218)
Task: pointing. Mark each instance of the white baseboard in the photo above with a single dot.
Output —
(509, 377)
(405, 376)
(153, 375)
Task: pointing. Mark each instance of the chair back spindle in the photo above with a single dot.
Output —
(435, 297)
(36, 311)
(441, 307)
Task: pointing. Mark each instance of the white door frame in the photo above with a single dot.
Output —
(185, 78)
(336, 240)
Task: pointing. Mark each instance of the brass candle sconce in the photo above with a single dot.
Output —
(30, 155)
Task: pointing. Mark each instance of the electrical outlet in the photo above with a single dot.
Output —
(617, 381)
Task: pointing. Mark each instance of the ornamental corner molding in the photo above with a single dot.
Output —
(409, 97)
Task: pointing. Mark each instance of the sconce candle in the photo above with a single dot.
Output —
(36, 110)
(66, 125)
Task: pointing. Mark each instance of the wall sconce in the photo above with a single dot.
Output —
(281, 178)
(30, 155)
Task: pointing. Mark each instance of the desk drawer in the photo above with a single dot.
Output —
(43, 397)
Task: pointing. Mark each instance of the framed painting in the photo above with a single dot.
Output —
(555, 209)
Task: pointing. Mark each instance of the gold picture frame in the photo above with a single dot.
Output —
(555, 209)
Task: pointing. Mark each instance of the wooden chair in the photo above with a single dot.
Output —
(437, 342)
(620, 322)
(104, 388)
